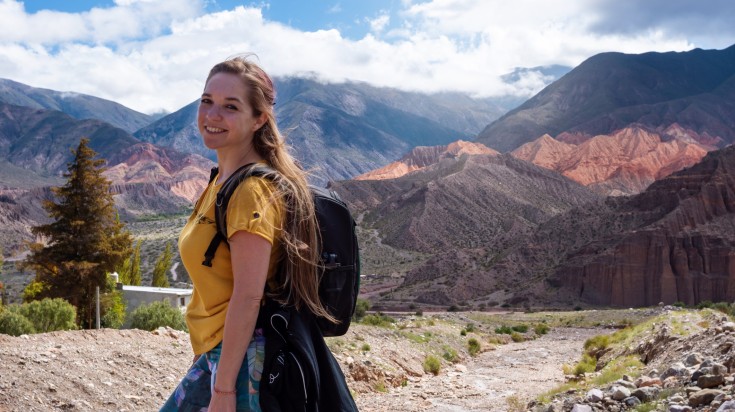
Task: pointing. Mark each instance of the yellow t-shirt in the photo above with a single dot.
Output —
(252, 209)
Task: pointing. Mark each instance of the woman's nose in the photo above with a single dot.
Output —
(213, 112)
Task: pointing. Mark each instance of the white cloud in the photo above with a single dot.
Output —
(151, 55)
(379, 23)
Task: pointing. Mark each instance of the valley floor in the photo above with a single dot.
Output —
(133, 370)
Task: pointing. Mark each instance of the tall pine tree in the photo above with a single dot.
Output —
(135, 277)
(162, 265)
(129, 271)
(84, 242)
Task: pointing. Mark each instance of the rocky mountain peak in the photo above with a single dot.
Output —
(423, 156)
(624, 162)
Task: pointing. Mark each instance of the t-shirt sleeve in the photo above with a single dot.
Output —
(252, 208)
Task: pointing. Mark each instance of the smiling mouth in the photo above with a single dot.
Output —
(211, 129)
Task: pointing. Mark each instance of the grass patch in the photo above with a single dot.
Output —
(378, 319)
(432, 365)
(627, 365)
(541, 329)
(450, 355)
(473, 346)
(517, 337)
(417, 337)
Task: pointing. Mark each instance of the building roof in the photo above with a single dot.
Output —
(151, 289)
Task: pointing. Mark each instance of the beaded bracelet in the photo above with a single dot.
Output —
(219, 392)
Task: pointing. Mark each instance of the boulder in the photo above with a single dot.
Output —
(594, 396)
(704, 397)
(710, 381)
(619, 392)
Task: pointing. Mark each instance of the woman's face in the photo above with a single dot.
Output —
(225, 118)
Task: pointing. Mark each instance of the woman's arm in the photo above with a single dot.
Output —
(250, 256)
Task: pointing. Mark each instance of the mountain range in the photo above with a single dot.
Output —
(609, 91)
(521, 215)
(339, 131)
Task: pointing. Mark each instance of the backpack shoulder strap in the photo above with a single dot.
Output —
(223, 200)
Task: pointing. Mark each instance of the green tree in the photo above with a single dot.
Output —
(162, 265)
(84, 241)
(129, 270)
(112, 305)
(135, 265)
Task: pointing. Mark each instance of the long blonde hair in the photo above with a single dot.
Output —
(298, 283)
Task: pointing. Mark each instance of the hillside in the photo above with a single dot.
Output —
(36, 146)
(623, 163)
(610, 91)
(664, 357)
(426, 229)
(424, 156)
(673, 242)
(77, 105)
(342, 130)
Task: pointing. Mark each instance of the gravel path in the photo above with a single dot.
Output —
(520, 371)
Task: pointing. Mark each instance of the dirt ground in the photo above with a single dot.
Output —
(133, 370)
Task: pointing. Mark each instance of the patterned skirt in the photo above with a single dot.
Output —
(195, 390)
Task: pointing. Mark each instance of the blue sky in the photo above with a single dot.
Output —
(152, 55)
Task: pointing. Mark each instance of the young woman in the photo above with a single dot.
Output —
(270, 222)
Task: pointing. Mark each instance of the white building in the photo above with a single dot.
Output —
(142, 295)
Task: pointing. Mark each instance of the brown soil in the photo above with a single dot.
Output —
(133, 370)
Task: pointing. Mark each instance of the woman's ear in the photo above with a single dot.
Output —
(262, 119)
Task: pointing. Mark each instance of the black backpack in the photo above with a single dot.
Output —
(340, 259)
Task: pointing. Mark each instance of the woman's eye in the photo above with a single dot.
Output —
(231, 107)
(205, 101)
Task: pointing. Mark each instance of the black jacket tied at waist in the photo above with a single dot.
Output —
(300, 373)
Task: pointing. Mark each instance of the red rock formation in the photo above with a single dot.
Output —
(423, 156)
(152, 179)
(625, 162)
(684, 251)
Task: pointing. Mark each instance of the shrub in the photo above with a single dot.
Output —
(504, 330)
(588, 364)
(361, 308)
(520, 328)
(470, 327)
(680, 304)
(704, 304)
(541, 329)
(517, 337)
(473, 346)
(596, 343)
(48, 315)
(453, 308)
(450, 355)
(432, 364)
(463, 332)
(365, 347)
(378, 319)
(157, 314)
(723, 307)
(14, 324)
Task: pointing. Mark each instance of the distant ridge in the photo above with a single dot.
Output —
(424, 156)
(623, 163)
(610, 91)
(338, 131)
(77, 105)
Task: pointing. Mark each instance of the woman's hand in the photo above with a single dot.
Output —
(222, 402)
